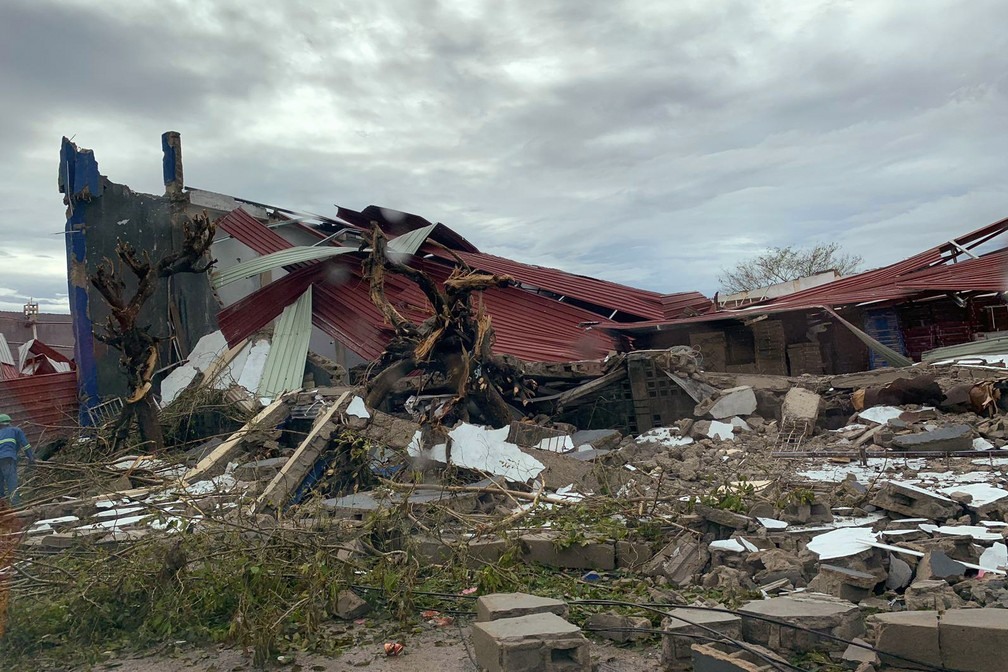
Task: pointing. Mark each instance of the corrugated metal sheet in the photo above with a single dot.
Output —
(635, 303)
(247, 229)
(44, 406)
(6, 356)
(55, 329)
(409, 243)
(396, 223)
(288, 257)
(528, 325)
(929, 271)
(250, 314)
(684, 303)
(988, 273)
(284, 370)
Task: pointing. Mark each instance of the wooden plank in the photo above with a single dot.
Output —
(217, 460)
(279, 490)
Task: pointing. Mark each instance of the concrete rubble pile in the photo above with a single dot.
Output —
(868, 508)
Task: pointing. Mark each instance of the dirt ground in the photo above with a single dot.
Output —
(432, 651)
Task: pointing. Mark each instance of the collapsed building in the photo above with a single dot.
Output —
(758, 455)
(268, 258)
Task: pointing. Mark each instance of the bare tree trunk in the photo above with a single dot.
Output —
(138, 346)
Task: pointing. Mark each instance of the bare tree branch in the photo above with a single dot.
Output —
(784, 264)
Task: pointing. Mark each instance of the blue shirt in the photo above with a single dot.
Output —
(12, 439)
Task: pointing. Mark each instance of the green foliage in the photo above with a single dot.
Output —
(224, 589)
(818, 662)
(728, 496)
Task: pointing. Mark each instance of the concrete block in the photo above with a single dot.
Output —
(514, 605)
(910, 635)
(541, 548)
(679, 561)
(974, 640)
(931, 594)
(722, 517)
(350, 606)
(848, 584)
(536, 643)
(915, 502)
(680, 635)
(823, 613)
(947, 439)
(733, 402)
(618, 628)
(632, 554)
(260, 469)
(528, 435)
(801, 404)
(900, 573)
(722, 658)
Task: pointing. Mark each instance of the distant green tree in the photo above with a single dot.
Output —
(783, 264)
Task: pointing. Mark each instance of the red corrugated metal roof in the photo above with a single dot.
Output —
(884, 283)
(247, 229)
(929, 271)
(988, 273)
(44, 406)
(528, 326)
(250, 314)
(638, 303)
(684, 303)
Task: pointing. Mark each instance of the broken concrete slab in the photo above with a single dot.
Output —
(974, 640)
(947, 439)
(937, 565)
(532, 643)
(350, 606)
(542, 548)
(900, 573)
(722, 517)
(619, 628)
(514, 605)
(814, 611)
(260, 469)
(734, 401)
(684, 626)
(860, 652)
(915, 502)
(905, 636)
(722, 658)
(848, 584)
(931, 594)
(632, 554)
(680, 560)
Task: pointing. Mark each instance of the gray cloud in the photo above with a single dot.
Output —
(647, 143)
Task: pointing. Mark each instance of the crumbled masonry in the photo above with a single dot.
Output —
(799, 526)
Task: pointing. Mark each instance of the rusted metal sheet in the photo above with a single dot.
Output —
(988, 273)
(528, 325)
(637, 304)
(930, 271)
(44, 406)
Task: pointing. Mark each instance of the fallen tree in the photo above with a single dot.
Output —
(139, 347)
(452, 348)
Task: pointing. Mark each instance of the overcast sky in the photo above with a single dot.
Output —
(650, 143)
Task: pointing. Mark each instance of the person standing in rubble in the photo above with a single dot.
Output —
(12, 441)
